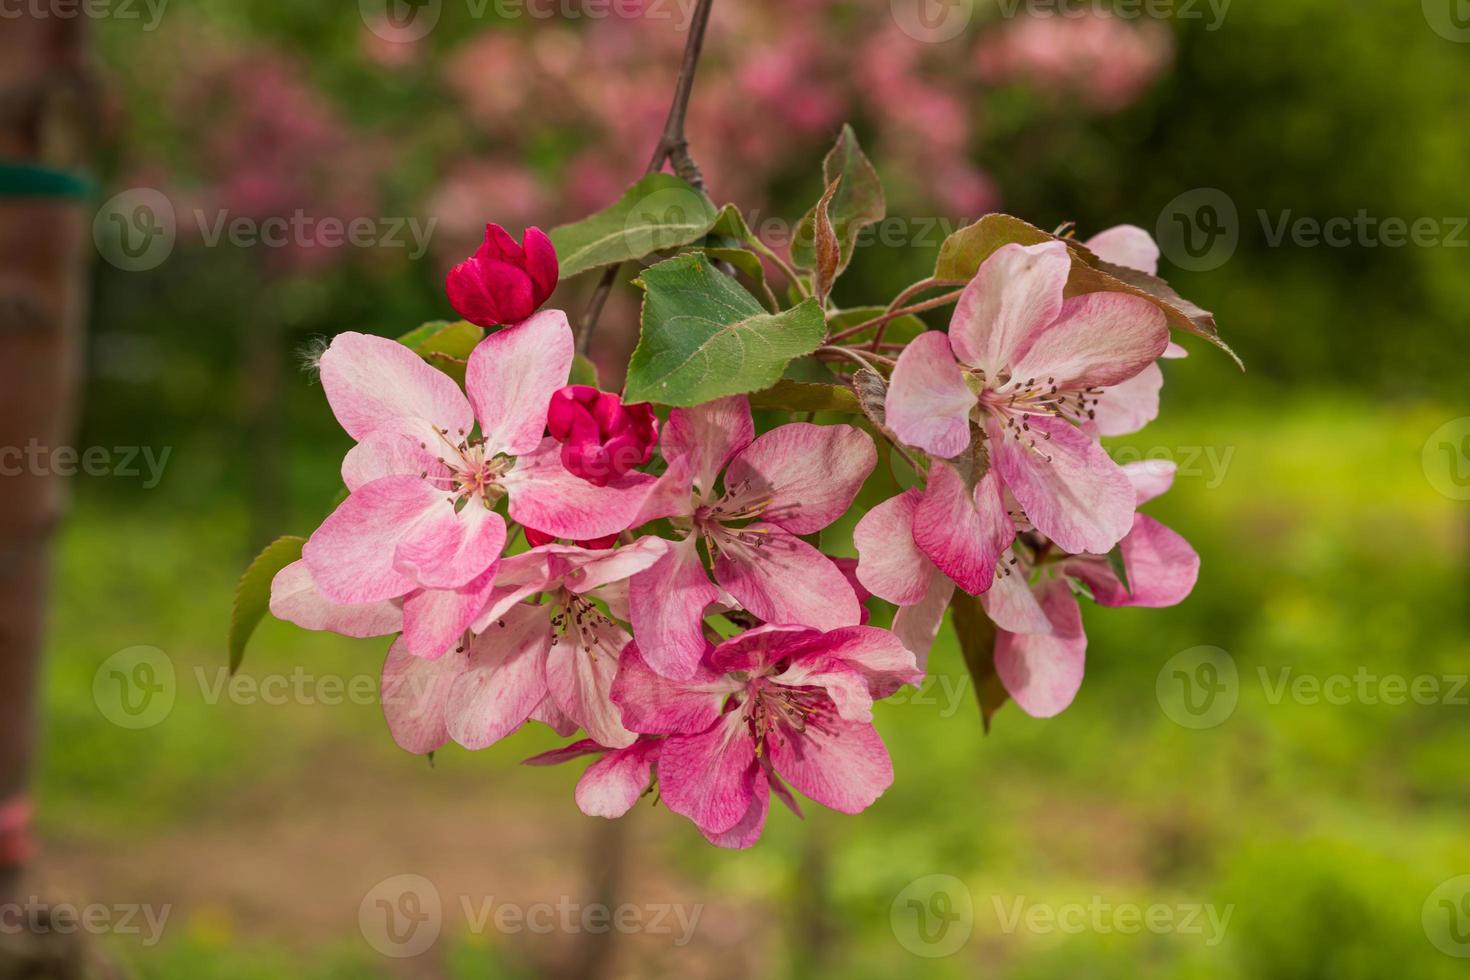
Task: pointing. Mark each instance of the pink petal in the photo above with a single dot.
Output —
(1125, 408)
(708, 436)
(516, 578)
(401, 447)
(504, 681)
(810, 472)
(1042, 672)
(1016, 292)
(666, 606)
(435, 619)
(1068, 486)
(555, 757)
(963, 532)
(928, 403)
(613, 784)
(917, 626)
(707, 777)
(580, 680)
(296, 599)
(876, 654)
(512, 376)
(548, 714)
(544, 495)
(1012, 606)
(1162, 568)
(583, 571)
(786, 580)
(1150, 478)
(415, 692)
(840, 764)
(351, 554)
(1101, 339)
(762, 646)
(370, 381)
(672, 495)
(1174, 352)
(748, 828)
(655, 705)
(890, 564)
(1126, 245)
(450, 548)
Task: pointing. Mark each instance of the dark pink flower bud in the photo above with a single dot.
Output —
(537, 538)
(504, 282)
(601, 438)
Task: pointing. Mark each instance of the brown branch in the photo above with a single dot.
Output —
(672, 146)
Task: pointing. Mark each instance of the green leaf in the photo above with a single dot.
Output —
(1115, 562)
(253, 594)
(454, 340)
(805, 396)
(658, 213)
(584, 372)
(744, 261)
(857, 204)
(705, 337)
(977, 644)
(963, 252)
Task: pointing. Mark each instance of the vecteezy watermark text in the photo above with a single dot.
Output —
(128, 462)
(1125, 918)
(149, 11)
(35, 917)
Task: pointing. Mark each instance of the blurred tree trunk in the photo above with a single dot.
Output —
(45, 98)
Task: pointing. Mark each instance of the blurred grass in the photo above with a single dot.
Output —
(1323, 826)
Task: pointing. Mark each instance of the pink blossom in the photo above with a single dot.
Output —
(564, 650)
(601, 438)
(792, 481)
(613, 783)
(774, 705)
(419, 522)
(1026, 364)
(504, 282)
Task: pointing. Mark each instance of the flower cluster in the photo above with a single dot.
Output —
(674, 599)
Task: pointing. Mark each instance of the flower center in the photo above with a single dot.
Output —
(777, 709)
(579, 620)
(471, 474)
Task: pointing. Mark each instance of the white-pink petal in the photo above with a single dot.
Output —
(1125, 408)
(1128, 246)
(785, 580)
(811, 473)
(580, 680)
(963, 532)
(1017, 291)
(1043, 672)
(928, 403)
(708, 436)
(414, 694)
(840, 764)
(511, 377)
(371, 381)
(613, 784)
(1099, 340)
(545, 495)
(890, 565)
(451, 547)
(296, 599)
(666, 605)
(351, 554)
(504, 681)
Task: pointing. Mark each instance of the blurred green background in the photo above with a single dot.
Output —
(1325, 497)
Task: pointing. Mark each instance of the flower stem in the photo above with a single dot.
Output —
(672, 146)
(897, 309)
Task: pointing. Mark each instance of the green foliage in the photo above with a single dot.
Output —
(705, 337)
(856, 202)
(658, 213)
(253, 594)
(445, 345)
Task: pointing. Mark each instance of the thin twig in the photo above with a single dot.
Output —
(672, 146)
(896, 309)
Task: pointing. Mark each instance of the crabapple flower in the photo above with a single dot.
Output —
(793, 480)
(419, 522)
(613, 783)
(601, 438)
(774, 705)
(1027, 364)
(1042, 670)
(504, 282)
(565, 650)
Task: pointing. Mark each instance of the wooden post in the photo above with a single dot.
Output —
(45, 229)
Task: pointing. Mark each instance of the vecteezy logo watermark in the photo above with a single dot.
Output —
(1121, 9)
(139, 229)
(35, 459)
(401, 916)
(39, 918)
(1199, 687)
(1446, 917)
(664, 219)
(136, 230)
(933, 916)
(404, 916)
(932, 21)
(401, 21)
(152, 10)
(135, 688)
(1450, 19)
(1446, 459)
(1125, 918)
(1199, 230)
